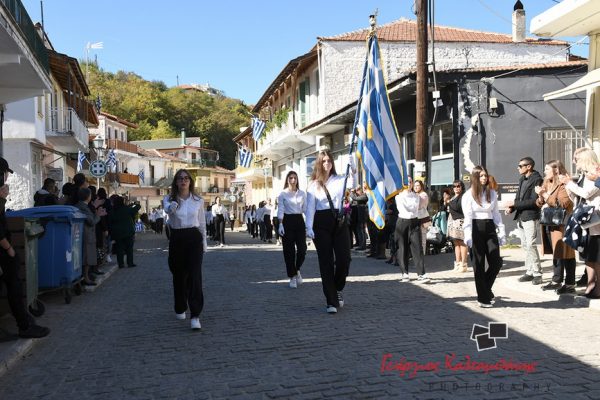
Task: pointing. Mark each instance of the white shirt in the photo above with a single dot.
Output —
(316, 198)
(290, 202)
(267, 209)
(217, 209)
(407, 203)
(189, 214)
(423, 202)
(487, 210)
(590, 193)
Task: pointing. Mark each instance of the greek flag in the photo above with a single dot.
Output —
(258, 126)
(80, 159)
(378, 148)
(141, 175)
(112, 159)
(245, 158)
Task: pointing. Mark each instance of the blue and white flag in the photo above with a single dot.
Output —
(141, 175)
(245, 157)
(80, 159)
(258, 126)
(112, 159)
(378, 148)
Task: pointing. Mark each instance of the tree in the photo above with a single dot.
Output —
(163, 131)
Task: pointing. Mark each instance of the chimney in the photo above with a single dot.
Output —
(182, 137)
(518, 23)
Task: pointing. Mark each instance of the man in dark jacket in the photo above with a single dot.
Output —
(46, 196)
(9, 269)
(527, 215)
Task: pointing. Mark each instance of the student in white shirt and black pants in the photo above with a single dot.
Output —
(187, 245)
(219, 212)
(482, 218)
(333, 245)
(291, 205)
(408, 233)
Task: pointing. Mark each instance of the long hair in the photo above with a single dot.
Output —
(319, 174)
(175, 189)
(559, 169)
(477, 189)
(587, 160)
(286, 184)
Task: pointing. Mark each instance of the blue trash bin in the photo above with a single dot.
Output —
(60, 248)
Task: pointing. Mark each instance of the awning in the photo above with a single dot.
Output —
(588, 81)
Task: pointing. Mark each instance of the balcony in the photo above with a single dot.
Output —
(24, 60)
(65, 130)
(202, 162)
(256, 171)
(123, 146)
(279, 141)
(123, 179)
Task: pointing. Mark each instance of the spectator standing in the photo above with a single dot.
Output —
(527, 215)
(122, 230)
(90, 260)
(455, 227)
(46, 196)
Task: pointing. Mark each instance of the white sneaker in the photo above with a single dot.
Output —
(299, 279)
(340, 297)
(331, 309)
(423, 278)
(221, 245)
(405, 278)
(108, 259)
(180, 316)
(195, 323)
(293, 282)
(484, 305)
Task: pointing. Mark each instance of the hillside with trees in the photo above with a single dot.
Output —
(161, 112)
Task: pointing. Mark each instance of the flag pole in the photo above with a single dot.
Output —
(373, 23)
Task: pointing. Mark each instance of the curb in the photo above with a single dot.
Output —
(108, 271)
(14, 353)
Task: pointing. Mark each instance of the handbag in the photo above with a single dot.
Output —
(434, 235)
(341, 219)
(553, 216)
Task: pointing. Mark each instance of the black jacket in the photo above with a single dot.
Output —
(525, 207)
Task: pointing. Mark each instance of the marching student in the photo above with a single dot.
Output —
(324, 194)
(187, 245)
(292, 229)
(482, 218)
(219, 213)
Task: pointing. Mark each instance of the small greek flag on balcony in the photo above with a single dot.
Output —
(112, 159)
(245, 158)
(141, 175)
(80, 159)
(258, 126)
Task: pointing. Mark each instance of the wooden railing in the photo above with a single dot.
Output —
(123, 146)
(129, 179)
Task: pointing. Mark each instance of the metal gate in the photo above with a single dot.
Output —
(559, 144)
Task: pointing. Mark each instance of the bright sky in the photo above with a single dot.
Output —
(237, 46)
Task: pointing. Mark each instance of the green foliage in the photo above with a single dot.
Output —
(161, 112)
(279, 119)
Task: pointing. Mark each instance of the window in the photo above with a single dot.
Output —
(318, 87)
(560, 143)
(303, 96)
(108, 131)
(442, 141)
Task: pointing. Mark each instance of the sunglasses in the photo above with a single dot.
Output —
(522, 165)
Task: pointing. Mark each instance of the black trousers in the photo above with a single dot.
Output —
(485, 246)
(276, 227)
(159, 225)
(268, 227)
(294, 243)
(333, 251)
(408, 236)
(220, 226)
(185, 262)
(566, 268)
(14, 288)
(124, 247)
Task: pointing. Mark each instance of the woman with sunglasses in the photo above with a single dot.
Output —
(324, 196)
(482, 218)
(291, 207)
(187, 245)
(455, 227)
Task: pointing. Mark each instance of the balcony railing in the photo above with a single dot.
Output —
(129, 179)
(66, 121)
(123, 146)
(16, 9)
(202, 162)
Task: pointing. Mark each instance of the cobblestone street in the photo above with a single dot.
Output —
(261, 339)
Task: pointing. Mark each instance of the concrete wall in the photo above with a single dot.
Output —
(18, 155)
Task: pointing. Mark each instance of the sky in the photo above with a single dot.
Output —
(237, 46)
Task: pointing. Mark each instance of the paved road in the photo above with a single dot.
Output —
(261, 339)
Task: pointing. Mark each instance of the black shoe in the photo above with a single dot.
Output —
(98, 272)
(90, 283)
(582, 282)
(121, 266)
(391, 260)
(537, 280)
(565, 289)
(526, 278)
(592, 296)
(34, 331)
(132, 265)
(552, 286)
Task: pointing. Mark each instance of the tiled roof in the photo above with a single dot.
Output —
(405, 30)
(119, 120)
(564, 64)
(164, 143)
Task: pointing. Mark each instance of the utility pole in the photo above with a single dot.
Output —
(421, 124)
